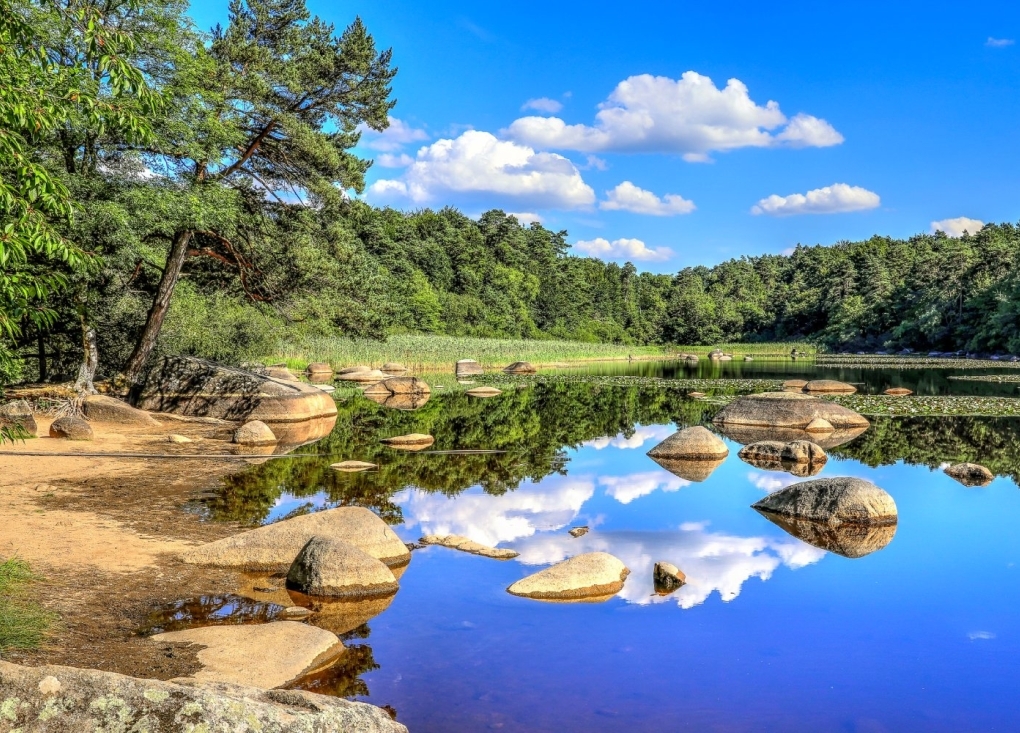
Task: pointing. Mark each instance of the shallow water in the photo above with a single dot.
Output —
(770, 633)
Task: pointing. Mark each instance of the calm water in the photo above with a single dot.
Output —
(769, 634)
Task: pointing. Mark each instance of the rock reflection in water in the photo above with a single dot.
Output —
(689, 470)
(406, 402)
(746, 434)
(801, 470)
(848, 540)
(343, 678)
(211, 610)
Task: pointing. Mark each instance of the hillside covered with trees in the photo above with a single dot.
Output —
(168, 190)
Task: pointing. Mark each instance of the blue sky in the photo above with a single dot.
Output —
(843, 120)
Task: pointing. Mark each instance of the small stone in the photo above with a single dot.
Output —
(411, 441)
(457, 542)
(819, 425)
(483, 392)
(970, 474)
(391, 367)
(898, 392)
(696, 395)
(296, 612)
(174, 438)
(71, 428)
(330, 567)
(578, 532)
(101, 408)
(255, 432)
(265, 589)
(352, 466)
(829, 386)
(667, 577)
(591, 576)
(49, 685)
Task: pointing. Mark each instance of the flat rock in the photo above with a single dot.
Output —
(258, 655)
(747, 434)
(353, 466)
(794, 384)
(576, 532)
(281, 372)
(393, 367)
(696, 395)
(457, 542)
(591, 576)
(694, 443)
(274, 546)
(71, 428)
(255, 432)
(467, 368)
(898, 392)
(363, 376)
(832, 501)
(483, 392)
(352, 369)
(829, 386)
(19, 414)
(406, 402)
(667, 577)
(786, 410)
(55, 699)
(411, 441)
(970, 474)
(327, 566)
(520, 367)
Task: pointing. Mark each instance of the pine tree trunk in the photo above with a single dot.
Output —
(160, 306)
(90, 361)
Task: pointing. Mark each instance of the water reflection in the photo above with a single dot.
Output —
(848, 540)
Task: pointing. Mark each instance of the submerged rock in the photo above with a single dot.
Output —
(576, 532)
(19, 414)
(848, 540)
(786, 410)
(258, 655)
(54, 699)
(274, 546)
(255, 432)
(520, 367)
(483, 392)
(411, 441)
(327, 566)
(829, 386)
(467, 368)
(71, 428)
(353, 466)
(591, 576)
(695, 443)
(457, 542)
(762, 450)
(667, 577)
(970, 474)
(832, 501)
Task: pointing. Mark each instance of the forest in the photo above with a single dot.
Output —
(169, 189)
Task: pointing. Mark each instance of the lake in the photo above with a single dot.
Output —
(770, 633)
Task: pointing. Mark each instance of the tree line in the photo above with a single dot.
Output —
(169, 190)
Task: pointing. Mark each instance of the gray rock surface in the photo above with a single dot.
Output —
(833, 501)
(591, 576)
(330, 567)
(71, 428)
(695, 443)
(803, 451)
(19, 414)
(786, 410)
(54, 699)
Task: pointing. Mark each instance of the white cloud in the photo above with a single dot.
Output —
(628, 197)
(477, 164)
(526, 217)
(622, 249)
(393, 138)
(771, 482)
(980, 635)
(594, 161)
(638, 438)
(835, 199)
(543, 104)
(999, 42)
(626, 489)
(956, 227)
(390, 160)
(688, 116)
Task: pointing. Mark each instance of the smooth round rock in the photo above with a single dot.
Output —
(352, 369)
(281, 372)
(319, 367)
(829, 386)
(593, 575)
(832, 501)
(970, 474)
(393, 366)
(483, 392)
(399, 386)
(174, 438)
(898, 392)
(787, 410)
(101, 408)
(327, 566)
(520, 367)
(255, 432)
(695, 443)
(71, 428)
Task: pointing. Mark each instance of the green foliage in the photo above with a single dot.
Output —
(23, 624)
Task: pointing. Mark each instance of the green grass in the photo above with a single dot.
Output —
(23, 624)
(423, 352)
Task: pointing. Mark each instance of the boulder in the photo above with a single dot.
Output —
(199, 388)
(353, 466)
(786, 410)
(100, 408)
(319, 367)
(898, 392)
(71, 428)
(399, 386)
(832, 501)
(54, 699)
(716, 354)
(667, 577)
(696, 443)
(411, 441)
(19, 414)
(576, 532)
(279, 371)
(819, 425)
(848, 540)
(467, 368)
(352, 369)
(794, 384)
(520, 367)
(274, 546)
(483, 392)
(591, 576)
(363, 376)
(829, 386)
(255, 432)
(393, 367)
(970, 474)
(769, 451)
(803, 451)
(464, 544)
(695, 470)
(327, 566)
(406, 402)
(258, 655)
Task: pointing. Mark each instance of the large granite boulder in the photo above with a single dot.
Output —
(970, 474)
(101, 408)
(53, 699)
(71, 428)
(695, 443)
(591, 576)
(274, 546)
(832, 501)
(188, 386)
(787, 410)
(19, 414)
(327, 566)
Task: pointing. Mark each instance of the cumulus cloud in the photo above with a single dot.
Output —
(980, 635)
(390, 160)
(956, 227)
(999, 42)
(622, 249)
(835, 199)
(628, 197)
(543, 104)
(393, 138)
(626, 489)
(689, 116)
(477, 164)
(771, 481)
(641, 435)
(526, 217)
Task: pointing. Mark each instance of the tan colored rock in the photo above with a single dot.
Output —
(467, 368)
(100, 408)
(520, 367)
(591, 576)
(898, 392)
(696, 395)
(19, 414)
(274, 546)
(695, 443)
(483, 392)
(829, 386)
(352, 369)
(255, 432)
(411, 441)
(353, 466)
(71, 428)
(803, 451)
(667, 577)
(393, 367)
(405, 402)
(786, 410)
(970, 474)
(457, 542)
(578, 532)
(747, 434)
(794, 384)
(174, 438)
(763, 451)
(848, 540)
(327, 566)
(363, 376)
(819, 425)
(319, 367)
(690, 470)
(832, 501)
(258, 655)
(341, 615)
(399, 386)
